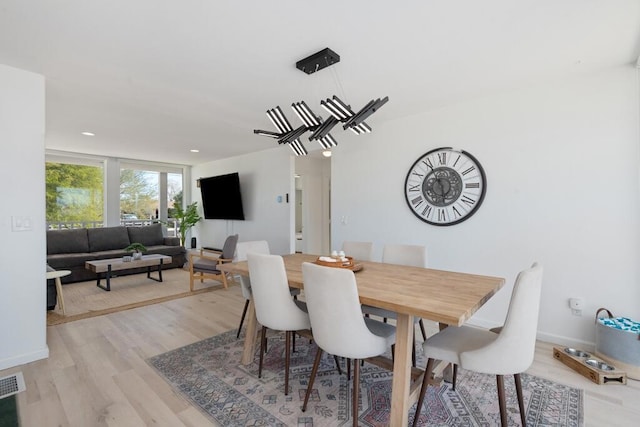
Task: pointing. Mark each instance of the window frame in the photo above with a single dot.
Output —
(111, 167)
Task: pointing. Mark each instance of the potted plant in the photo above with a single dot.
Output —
(186, 218)
(137, 249)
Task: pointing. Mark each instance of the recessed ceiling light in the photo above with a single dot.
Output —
(195, 151)
(88, 134)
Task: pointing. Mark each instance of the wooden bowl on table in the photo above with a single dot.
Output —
(349, 263)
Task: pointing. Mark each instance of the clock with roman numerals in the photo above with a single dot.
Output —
(445, 186)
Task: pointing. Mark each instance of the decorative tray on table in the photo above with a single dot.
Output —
(339, 262)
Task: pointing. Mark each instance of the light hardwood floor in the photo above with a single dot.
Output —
(96, 374)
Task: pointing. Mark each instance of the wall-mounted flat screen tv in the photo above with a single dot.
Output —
(221, 197)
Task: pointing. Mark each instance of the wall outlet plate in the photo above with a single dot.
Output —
(576, 303)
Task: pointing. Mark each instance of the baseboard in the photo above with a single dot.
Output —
(543, 336)
(566, 341)
(24, 358)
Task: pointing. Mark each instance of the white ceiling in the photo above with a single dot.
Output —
(156, 78)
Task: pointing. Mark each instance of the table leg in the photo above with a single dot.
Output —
(159, 279)
(59, 291)
(107, 277)
(250, 336)
(401, 371)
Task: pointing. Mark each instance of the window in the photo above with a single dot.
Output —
(144, 192)
(174, 191)
(74, 195)
(139, 191)
(83, 191)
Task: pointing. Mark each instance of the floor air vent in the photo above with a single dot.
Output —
(11, 384)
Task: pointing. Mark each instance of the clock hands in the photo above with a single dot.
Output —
(441, 186)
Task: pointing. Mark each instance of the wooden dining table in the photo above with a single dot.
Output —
(447, 297)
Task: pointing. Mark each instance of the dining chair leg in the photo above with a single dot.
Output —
(244, 313)
(287, 360)
(523, 418)
(263, 339)
(455, 376)
(356, 391)
(294, 342)
(424, 333)
(501, 400)
(337, 364)
(348, 369)
(423, 390)
(314, 371)
(413, 352)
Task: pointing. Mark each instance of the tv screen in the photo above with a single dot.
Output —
(221, 197)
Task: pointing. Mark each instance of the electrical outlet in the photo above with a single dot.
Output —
(576, 303)
(576, 312)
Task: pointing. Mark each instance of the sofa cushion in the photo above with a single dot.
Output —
(69, 261)
(67, 241)
(148, 235)
(107, 238)
(171, 251)
(172, 241)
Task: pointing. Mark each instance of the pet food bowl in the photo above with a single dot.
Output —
(576, 353)
(599, 365)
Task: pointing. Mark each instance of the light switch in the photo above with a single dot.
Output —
(21, 223)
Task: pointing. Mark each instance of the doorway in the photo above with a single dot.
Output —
(313, 204)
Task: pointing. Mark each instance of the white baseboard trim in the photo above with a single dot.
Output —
(566, 341)
(23, 359)
(544, 336)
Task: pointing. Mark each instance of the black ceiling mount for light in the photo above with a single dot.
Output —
(319, 128)
(318, 61)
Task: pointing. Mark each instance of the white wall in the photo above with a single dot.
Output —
(22, 253)
(264, 176)
(561, 161)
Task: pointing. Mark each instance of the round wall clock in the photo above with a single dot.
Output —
(445, 186)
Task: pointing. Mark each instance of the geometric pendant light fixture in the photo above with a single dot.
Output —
(320, 129)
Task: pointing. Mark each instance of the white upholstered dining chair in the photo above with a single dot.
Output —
(410, 255)
(360, 251)
(338, 325)
(508, 353)
(242, 249)
(275, 307)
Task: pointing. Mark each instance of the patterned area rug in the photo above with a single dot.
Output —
(208, 373)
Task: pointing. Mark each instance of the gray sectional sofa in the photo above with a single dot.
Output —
(69, 249)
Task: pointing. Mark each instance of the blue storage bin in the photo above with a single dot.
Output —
(618, 342)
